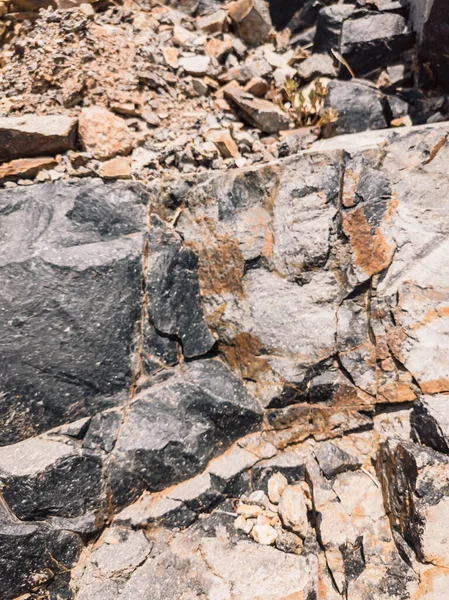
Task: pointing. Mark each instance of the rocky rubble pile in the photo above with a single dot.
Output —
(136, 89)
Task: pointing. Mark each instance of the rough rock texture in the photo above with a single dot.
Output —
(33, 136)
(232, 386)
(71, 271)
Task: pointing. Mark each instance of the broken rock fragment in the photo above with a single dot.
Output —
(251, 19)
(104, 134)
(31, 135)
(430, 422)
(358, 105)
(415, 480)
(175, 428)
(263, 114)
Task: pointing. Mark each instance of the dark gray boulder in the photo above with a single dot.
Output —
(329, 25)
(70, 269)
(429, 18)
(175, 427)
(358, 105)
(174, 305)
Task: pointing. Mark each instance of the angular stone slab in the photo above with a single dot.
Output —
(21, 137)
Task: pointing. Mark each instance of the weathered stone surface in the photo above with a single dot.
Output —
(33, 554)
(358, 105)
(172, 431)
(21, 137)
(203, 563)
(251, 19)
(334, 460)
(59, 481)
(430, 23)
(71, 269)
(415, 483)
(371, 40)
(174, 295)
(104, 134)
(293, 510)
(24, 168)
(329, 25)
(317, 65)
(321, 282)
(430, 422)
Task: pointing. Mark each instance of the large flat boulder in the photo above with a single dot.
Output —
(21, 137)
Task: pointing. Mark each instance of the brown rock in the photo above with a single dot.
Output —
(104, 134)
(214, 23)
(171, 57)
(263, 114)
(257, 86)
(218, 48)
(116, 168)
(27, 136)
(225, 143)
(25, 167)
(252, 20)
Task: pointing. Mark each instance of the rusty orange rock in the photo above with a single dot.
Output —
(104, 134)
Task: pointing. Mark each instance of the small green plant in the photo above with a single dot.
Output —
(306, 109)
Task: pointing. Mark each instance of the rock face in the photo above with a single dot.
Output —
(71, 268)
(232, 385)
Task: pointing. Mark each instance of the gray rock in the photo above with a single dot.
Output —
(32, 554)
(373, 40)
(156, 511)
(252, 21)
(329, 25)
(334, 460)
(430, 422)
(195, 65)
(44, 478)
(31, 135)
(358, 105)
(70, 271)
(174, 295)
(103, 431)
(317, 65)
(173, 430)
(430, 23)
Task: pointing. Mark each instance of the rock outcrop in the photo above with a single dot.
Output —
(232, 385)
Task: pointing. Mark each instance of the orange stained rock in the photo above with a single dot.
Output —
(372, 253)
(242, 355)
(397, 392)
(435, 386)
(220, 266)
